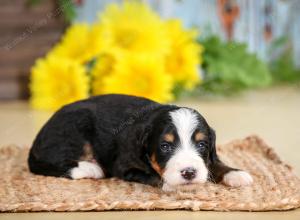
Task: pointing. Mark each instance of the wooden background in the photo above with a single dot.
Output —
(26, 33)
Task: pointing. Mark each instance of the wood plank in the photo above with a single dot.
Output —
(29, 40)
(26, 34)
(8, 42)
(27, 21)
(14, 89)
(45, 12)
(24, 58)
(5, 4)
(12, 73)
(22, 6)
(8, 31)
(24, 51)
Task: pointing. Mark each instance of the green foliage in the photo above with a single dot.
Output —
(283, 69)
(68, 9)
(228, 67)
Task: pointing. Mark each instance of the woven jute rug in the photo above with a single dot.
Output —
(275, 186)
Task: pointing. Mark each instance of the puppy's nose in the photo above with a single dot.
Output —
(188, 173)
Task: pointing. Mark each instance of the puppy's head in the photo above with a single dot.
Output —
(181, 147)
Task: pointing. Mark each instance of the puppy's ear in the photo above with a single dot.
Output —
(213, 157)
(143, 133)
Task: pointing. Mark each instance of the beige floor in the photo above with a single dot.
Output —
(274, 114)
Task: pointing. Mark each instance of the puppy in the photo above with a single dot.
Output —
(134, 139)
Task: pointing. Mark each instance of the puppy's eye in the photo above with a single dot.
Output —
(201, 145)
(165, 147)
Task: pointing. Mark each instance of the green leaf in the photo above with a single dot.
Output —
(230, 68)
(283, 68)
(68, 9)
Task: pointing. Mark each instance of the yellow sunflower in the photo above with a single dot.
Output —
(134, 27)
(184, 59)
(140, 75)
(81, 42)
(56, 81)
(102, 68)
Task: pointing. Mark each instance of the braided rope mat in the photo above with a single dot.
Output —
(275, 186)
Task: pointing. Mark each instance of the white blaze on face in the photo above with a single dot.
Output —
(186, 155)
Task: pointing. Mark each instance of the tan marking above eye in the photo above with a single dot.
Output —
(199, 136)
(169, 138)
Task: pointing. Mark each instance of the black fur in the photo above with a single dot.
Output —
(124, 131)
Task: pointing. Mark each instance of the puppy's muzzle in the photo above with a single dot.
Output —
(188, 173)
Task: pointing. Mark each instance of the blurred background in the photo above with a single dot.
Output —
(267, 28)
(236, 61)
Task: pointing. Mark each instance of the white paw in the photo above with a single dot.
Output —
(86, 169)
(237, 178)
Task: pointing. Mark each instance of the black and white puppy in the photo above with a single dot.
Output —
(134, 139)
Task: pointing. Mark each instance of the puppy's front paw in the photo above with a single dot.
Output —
(237, 178)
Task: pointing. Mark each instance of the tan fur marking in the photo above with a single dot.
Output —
(199, 136)
(87, 153)
(156, 166)
(169, 138)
